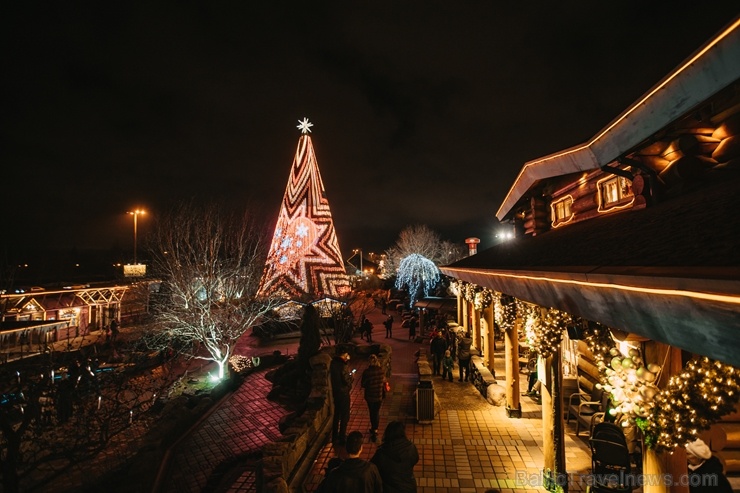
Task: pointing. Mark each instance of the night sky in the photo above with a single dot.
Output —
(423, 111)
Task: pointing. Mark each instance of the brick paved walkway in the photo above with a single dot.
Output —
(470, 447)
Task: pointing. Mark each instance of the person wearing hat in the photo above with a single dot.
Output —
(341, 384)
(705, 470)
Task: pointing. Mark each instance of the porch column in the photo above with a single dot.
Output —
(513, 406)
(656, 465)
(460, 308)
(488, 314)
(476, 329)
(553, 435)
(466, 315)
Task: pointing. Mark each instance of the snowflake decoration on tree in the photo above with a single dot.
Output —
(417, 272)
(304, 126)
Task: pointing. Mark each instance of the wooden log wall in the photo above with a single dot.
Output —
(694, 151)
(684, 153)
(588, 373)
(727, 152)
(537, 217)
(724, 440)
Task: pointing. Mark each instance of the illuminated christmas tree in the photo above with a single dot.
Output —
(304, 257)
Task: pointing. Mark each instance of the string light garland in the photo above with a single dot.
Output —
(483, 299)
(480, 297)
(241, 364)
(504, 310)
(599, 341)
(544, 330)
(692, 401)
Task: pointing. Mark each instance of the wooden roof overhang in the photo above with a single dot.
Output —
(699, 315)
(705, 73)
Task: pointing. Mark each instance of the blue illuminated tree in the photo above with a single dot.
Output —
(417, 273)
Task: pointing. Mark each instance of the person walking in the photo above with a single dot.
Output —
(413, 323)
(388, 326)
(373, 381)
(114, 330)
(353, 474)
(341, 384)
(447, 365)
(367, 329)
(438, 346)
(463, 355)
(396, 458)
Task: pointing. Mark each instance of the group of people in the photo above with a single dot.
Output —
(390, 469)
(392, 466)
(445, 347)
(366, 328)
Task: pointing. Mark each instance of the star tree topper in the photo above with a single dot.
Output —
(305, 126)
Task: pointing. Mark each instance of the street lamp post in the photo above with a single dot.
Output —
(136, 214)
(356, 251)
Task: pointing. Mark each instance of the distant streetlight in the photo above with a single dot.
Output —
(360, 250)
(136, 214)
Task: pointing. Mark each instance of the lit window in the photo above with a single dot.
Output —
(614, 191)
(561, 212)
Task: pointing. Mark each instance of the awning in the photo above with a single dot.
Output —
(437, 304)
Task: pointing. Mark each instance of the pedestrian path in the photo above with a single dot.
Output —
(471, 446)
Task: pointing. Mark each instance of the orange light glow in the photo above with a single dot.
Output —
(553, 215)
(603, 208)
(698, 295)
(632, 109)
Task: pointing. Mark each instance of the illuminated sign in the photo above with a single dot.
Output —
(134, 270)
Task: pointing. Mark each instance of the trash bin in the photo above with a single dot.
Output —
(425, 402)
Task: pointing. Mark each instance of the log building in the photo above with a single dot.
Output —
(636, 230)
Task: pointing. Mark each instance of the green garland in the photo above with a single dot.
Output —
(692, 401)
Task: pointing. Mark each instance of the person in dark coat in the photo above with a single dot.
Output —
(463, 355)
(438, 346)
(353, 474)
(413, 324)
(341, 384)
(366, 329)
(396, 458)
(373, 381)
(705, 470)
(388, 326)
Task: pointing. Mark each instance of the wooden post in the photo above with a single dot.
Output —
(513, 406)
(553, 434)
(662, 465)
(460, 307)
(466, 315)
(676, 464)
(477, 330)
(488, 314)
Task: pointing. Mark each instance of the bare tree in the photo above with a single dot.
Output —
(421, 240)
(210, 262)
(451, 252)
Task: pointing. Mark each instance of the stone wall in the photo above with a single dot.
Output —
(286, 463)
